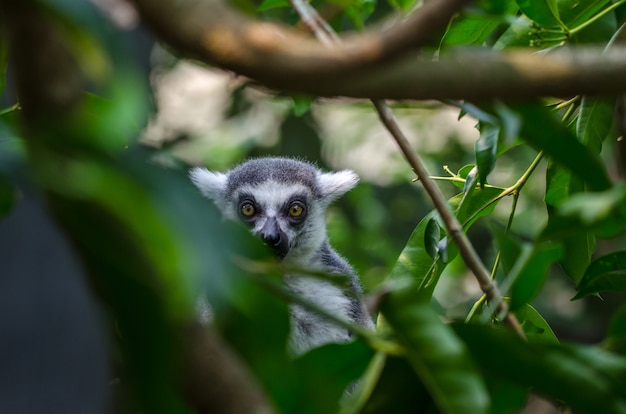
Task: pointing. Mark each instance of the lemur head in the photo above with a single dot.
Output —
(283, 200)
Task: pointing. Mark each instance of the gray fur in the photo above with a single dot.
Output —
(272, 185)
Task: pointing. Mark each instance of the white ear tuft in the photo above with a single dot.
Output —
(211, 184)
(336, 184)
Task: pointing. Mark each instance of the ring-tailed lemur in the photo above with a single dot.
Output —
(284, 202)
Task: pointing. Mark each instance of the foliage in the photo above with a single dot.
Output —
(150, 244)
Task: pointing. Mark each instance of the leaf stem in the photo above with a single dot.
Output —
(515, 190)
(596, 17)
(510, 190)
(10, 109)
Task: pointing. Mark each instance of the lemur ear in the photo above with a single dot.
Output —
(336, 184)
(211, 184)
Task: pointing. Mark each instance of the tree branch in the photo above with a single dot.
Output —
(214, 32)
(376, 64)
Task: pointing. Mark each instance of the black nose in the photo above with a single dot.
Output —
(274, 237)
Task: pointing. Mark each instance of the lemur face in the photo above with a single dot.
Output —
(282, 200)
(284, 215)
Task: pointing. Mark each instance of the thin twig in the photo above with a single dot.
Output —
(515, 190)
(453, 227)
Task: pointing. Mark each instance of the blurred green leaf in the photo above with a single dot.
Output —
(506, 397)
(526, 267)
(595, 121)
(544, 12)
(486, 149)
(402, 5)
(616, 335)
(358, 12)
(301, 104)
(578, 244)
(475, 26)
(575, 12)
(389, 385)
(586, 378)
(272, 4)
(326, 373)
(432, 235)
(543, 131)
(534, 325)
(521, 32)
(436, 354)
(606, 273)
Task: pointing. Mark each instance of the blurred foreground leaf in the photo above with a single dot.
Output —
(439, 358)
(586, 378)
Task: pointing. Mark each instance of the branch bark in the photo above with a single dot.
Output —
(377, 63)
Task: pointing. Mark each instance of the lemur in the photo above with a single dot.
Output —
(284, 202)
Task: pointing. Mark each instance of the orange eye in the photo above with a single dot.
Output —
(296, 210)
(248, 210)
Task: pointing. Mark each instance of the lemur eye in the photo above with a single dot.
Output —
(296, 209)
(247, 209)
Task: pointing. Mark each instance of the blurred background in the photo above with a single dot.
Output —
(51, 324)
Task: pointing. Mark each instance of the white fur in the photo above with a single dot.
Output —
(211, 184)
(336, 184)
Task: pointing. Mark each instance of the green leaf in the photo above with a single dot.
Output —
(534, 325)
(436, 354)
(471, 206)
(530, 271)
(432, 235)
(577, 241)
(415, 265)
(464, 172)
(542, 130)
(272, 4)
(390, 385)
(301, 104)
(587, 379)
(486, 149)
(525, 265)
(606, 273)
(575, 12)
(544, 12)
(616, 335)
(521, 32)
(595, 121)
(475, 27)
(326, 372)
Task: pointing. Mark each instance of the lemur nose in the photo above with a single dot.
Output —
(271, 238)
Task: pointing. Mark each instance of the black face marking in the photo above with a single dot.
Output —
(247, 209)
(295, 209)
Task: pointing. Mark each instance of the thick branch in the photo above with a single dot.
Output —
(214, 32)
(376, 64)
